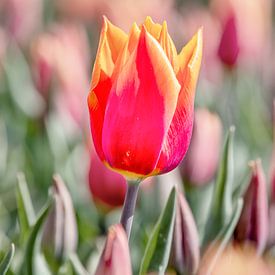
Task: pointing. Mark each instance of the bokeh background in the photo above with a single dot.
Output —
(47, 49)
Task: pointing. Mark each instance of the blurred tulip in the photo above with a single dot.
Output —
(22, 18)
(234, 260)
(186, 250)
(252, 20)
(60, 232)
(253, 222)
(115, 259)
(201, 161)
(63, 54)
(42, 52)
(229, 45)
(107, 187)
(131, 74)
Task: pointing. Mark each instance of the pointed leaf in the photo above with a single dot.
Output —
(25, 209)
(157, 251)
(5, 264)
(77, 265)
(29, 257)
(221, 208)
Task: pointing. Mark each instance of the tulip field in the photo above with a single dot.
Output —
(137, 137)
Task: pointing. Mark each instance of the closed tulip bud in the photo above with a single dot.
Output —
(200, 163)
(229, 45)
(60, 233)
(108, 188)
(115, 259)
(186, 251)
(253, 222)
(142, 98)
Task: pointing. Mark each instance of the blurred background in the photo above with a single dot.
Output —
(47, 50)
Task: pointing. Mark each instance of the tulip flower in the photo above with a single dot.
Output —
(229, 45)
(115, 259)
(141, 98)
(107, 187)
(253, 222)
(186, 251)
(201, 161)
(141, 102)
(60, 233)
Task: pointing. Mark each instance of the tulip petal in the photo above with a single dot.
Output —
(180, 131)
(140, 108)
(112, 39)
(153, 28)
(168, 46)
(126, 52)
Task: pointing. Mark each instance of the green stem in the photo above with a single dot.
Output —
(129, 206)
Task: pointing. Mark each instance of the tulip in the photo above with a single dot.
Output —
(253, 23)
(60, 233)
(107, 187)
(141, 98)
(186, 251)
(115, 259)
(253, 222)
(22, 18)
(201, 161)
(229, 45)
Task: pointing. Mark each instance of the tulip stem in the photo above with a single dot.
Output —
(129, 206)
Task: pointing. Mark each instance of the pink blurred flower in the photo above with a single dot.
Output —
(115, 259)
(201, 161)
(108, 188)
(253, 23)
(63, 54)
(229, 45)
(253, 222)
(22, 18)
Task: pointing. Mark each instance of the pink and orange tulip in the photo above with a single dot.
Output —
(141, 100)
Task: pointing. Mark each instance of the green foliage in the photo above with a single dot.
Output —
(157, 252)
(5, 263)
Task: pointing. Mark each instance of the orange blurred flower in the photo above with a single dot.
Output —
(141, 98)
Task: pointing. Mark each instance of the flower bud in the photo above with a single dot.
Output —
(253, 222)
(60, 233)
(108, 188)
(201, 161)
(115, 258)
(186, 252)
(229, 45)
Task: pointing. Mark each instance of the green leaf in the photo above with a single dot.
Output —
(29, 256)
(223, 238)
(20, 83)
(221, 207)
(5, 264)
(77, 265)
(25, 209)
(157, 251)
